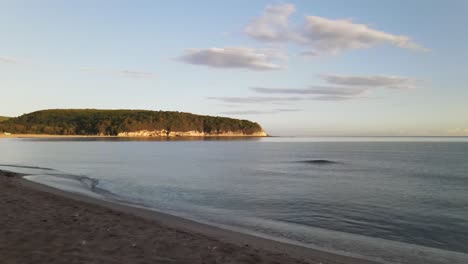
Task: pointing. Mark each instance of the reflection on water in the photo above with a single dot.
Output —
(262, 139)
(156, 139)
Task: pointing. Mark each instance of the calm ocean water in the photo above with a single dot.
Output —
(401, 200)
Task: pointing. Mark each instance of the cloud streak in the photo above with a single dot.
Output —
(138, 74)
(375, 81)
(126, 73)
(281, 100)
(338, 88)
(234, 57)
(255, 99)
(313, 90)
(344, 87)
(8, 60)
(321, 35)
(259, 112)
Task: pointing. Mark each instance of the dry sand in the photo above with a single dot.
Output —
(40, 224)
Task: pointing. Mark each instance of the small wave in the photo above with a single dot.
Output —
(71, 182)
(25, 167)
(320, 162)
(87, 185)
(90, 183)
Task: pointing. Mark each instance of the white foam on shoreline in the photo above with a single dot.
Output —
(24, 169)
(50, 177)
(65, 184)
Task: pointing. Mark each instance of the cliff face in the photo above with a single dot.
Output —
(165, 133)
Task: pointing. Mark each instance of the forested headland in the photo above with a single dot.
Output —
(116, 122)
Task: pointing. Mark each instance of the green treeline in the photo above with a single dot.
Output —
(3, 118)
(112, 122)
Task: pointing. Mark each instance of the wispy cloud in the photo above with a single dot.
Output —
(138, 74)
(338, 88)
(126, 73)
(282, 100)
(255, 99)
(259, 112)
(273, 24)
(235, 57)
(313, 90)
(8, 60)
(329, 36)
(335, 98)
(392, 82)
(345, 86)
(321, 35)
(89, 69)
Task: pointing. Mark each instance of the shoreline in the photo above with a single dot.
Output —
(255, 247)
(142, 137)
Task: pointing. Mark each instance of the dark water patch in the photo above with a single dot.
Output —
(320, 162)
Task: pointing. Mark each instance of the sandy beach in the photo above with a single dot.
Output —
(41, 224)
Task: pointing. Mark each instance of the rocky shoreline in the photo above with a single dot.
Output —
(165, 133)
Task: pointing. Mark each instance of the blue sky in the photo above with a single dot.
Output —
(296, 67)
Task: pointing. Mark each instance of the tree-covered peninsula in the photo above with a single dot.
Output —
(127, 123)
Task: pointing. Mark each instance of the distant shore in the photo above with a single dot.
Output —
(49, 225)
(2, 135)
(50, 136)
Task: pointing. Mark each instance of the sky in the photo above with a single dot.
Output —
(299, 68)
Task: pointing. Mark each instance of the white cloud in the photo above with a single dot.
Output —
(324, 35)
(321, 35)
(235, 57)
(373, 81)
(273, 24)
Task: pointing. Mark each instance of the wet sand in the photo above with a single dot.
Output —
(40, 224)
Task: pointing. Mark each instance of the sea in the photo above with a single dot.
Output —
(389, 199)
